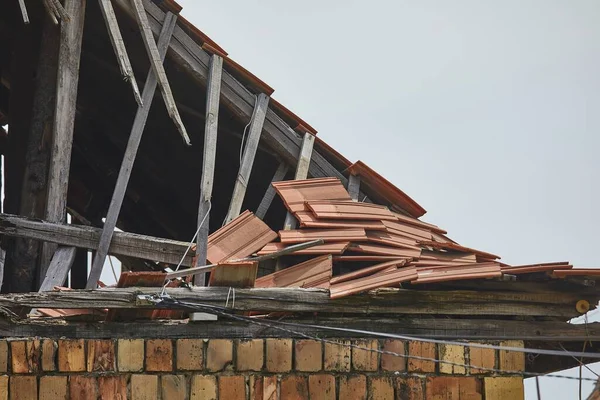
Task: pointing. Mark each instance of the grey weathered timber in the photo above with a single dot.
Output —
(241, 183)
(354, 187)
(133, 144)
(434, 328)
(87, 237)
(398, 302)
(195, 61)
(116, 39)
(59, 268)
(156, 62)
(24, 11)
(213, 95)
(301, 172)
(69, 55)
(2, 258)
(267, 199)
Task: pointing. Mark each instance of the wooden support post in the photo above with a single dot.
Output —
(71, 35)
(156, 62)
(116, 39)
(267, 199)
(127, 165)
(213, 94)
(59, 268)
(241, 183)
(301, 172)
(354, 187)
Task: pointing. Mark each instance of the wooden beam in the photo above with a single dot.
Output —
(267, 199)
(59, 268)
(116, 39)
(354, 186)
(87, 237)
(156, 62)
(69, 54)
(213, 94)
(241, 183)
(24, 11)
(135, 138)
(304, 158)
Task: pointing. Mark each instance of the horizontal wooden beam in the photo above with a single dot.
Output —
(438, 328)
(400, 302)
(87, 237)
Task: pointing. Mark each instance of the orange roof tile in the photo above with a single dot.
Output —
(563, 273)
(384, 250)
(295, 193)
(369, 270)
(526, 269)
(328, 235)
(336, 209)
(389, 279)
(457, 247)
(389, 239)
(363, 258)
(460, 272)
(312, 273)
(308, 220)
(327, 248)
(384, 190)
(420, 224)
(399, 228)
(449, 256)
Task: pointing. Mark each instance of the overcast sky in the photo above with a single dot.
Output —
(485, 112)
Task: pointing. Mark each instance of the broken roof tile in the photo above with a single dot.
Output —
(315, 272)
(390, 239)
(406, 230)
(460, 272)
(328, 235)
(295, 193)
(308, 220)
(369, 270)
(526, 269)
(237, 274)
(335, 209)
(384, 250)
(457, 247)
(420, 224)
(405, 274)
(327, 248)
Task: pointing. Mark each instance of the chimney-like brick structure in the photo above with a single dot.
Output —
(256, 369)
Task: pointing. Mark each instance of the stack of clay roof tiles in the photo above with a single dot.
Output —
(379, 247)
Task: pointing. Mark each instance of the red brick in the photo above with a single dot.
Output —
(390, 362)
(412, 388)
(364, 355)
(101, 356)
(232, 387)
(353, 387)
(83, 387)
(321, 387)
(159, 355)
(294, 387)
(144, 387)
(453, 388)
(130, 354)
(173, 387)
(53, 388)
(512, 360)
(23, 387)
(249, 355)
(279, 355)
(25, 356)
(263, 388)
(255, 385)
(337, 356)
(113, 387)
(421, 349)
(309, 355)
(219, 354)
(3, 387)
(3, 356)
(190, 354)
(484, 358)
(204, 387)
(49, 348)
(381, 388)
(270, 388)
(71, 355)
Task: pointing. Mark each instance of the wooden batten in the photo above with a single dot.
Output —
(354, 186)
(213, 94)
(135, 137)
(59, 268)
(267, 199)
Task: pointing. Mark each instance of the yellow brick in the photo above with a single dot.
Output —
(173, 387)
(144, 387)
(3, 356)
(113, 387)
(294, 387)
(53, 388)
(71, 355)
(381, 388)
(219, 354)
(364, 355)
(49, 348)
(23, 387)
(452, 353)
(101, 356)
(25, 356)
(421, 349)
(3, 387)
(159, 355)
(512, 360)
(321, 387)
(130, 354)
(309, 355)
(250, 355)
(279, 355)
(353, 387)
(232, 387)
(502, 388)
(190, 354)
(83, 387)
(204, 387)
(337, 356)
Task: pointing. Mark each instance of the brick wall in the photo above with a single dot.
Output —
(252, 369)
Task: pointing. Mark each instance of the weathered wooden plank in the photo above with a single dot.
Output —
(301, 172)
(241, 183)
(87, 237)
(112, 25)
(354, 187)
(442, 328)
(398, 303)
(59, 268)
(156, 62)
(213, 95)
(69, 55)
(24, 11)
(267, 199)
(133, 144)
(2, 258)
